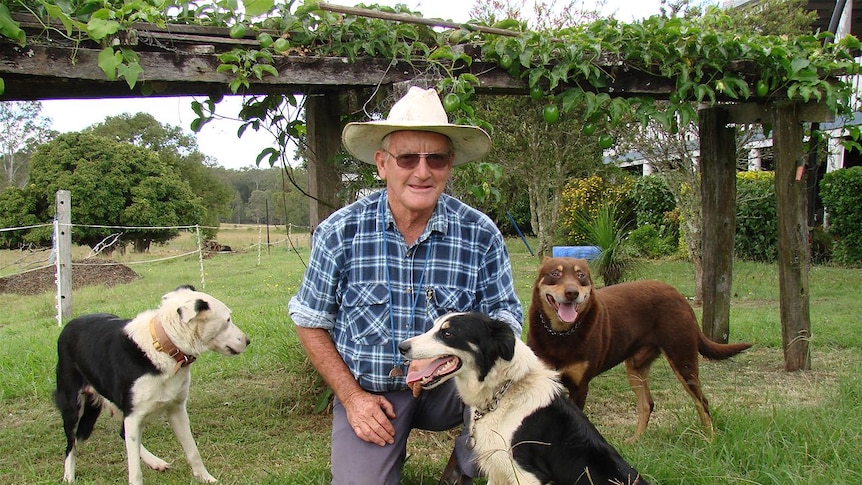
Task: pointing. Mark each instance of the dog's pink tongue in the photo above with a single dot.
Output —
(568, 312)
(428, 367)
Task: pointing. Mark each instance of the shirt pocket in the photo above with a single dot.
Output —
(448, 300)
(366, 311)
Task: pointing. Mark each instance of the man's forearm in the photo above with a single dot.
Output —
(325, 358)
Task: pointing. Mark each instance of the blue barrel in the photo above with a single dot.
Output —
(584, 252)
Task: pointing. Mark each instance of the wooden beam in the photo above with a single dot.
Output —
(762, 113)
(718, 197)
(794, 253)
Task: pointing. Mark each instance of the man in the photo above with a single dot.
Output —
(381, 270)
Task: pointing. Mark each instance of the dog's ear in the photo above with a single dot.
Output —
(191, 309)
(501, 345)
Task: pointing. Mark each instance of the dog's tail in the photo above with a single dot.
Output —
(716, 351)
(92, 409)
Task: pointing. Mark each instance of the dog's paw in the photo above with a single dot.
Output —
(204, 476)
(157, 463)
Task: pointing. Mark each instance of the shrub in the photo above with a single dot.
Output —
(653, 201)
(841, 192)
(756, 217)
(583, 198)
(647, 241)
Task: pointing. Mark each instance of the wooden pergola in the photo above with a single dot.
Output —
(182, 60)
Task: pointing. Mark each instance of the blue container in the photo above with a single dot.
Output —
(584, 252)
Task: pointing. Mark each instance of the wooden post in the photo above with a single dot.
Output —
(793, 246)
(718, 197)
(63, 253)
(323, 118)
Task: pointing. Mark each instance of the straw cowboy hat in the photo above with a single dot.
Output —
(419, 110)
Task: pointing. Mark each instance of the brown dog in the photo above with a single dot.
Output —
(582, 331)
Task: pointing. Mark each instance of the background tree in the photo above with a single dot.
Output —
(112, 183)
(536, 148)
(179, 150)
(538, 157)
(22, 127)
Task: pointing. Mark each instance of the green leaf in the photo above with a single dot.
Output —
(254, 8)
(69, 23)
(9, 28)
(272, 153)
(130, 73)
(442, 52)
(2, 86)
(799, 64)
(99, 29)
(108, 62)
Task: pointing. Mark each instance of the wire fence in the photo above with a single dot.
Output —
(30, 258)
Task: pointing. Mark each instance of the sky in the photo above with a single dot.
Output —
(218, 138)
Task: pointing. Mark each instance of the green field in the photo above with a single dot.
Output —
(255, 418)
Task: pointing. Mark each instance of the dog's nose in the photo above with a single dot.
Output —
(571, 293)
(404, 347)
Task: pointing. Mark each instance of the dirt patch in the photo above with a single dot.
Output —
(84, 273)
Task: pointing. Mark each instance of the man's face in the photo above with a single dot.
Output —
(417, 188)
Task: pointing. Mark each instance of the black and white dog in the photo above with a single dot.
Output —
(139, 367)
(523, 429)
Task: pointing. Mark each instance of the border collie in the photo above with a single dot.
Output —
(523, 429)
(139, 367)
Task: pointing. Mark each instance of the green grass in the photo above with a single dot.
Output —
(253, 414)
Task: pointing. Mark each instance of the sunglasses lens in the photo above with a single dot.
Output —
(435, 161)
(408, 160)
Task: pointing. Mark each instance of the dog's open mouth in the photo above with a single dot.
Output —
(567, 311)
(435, 372)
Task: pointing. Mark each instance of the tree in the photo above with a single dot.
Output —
(538, 149)
(537, 157)
(179, 150)
(22, 127)
(112, 184)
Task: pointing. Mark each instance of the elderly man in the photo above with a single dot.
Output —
(381, 270)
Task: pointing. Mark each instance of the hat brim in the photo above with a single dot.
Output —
(363, 139)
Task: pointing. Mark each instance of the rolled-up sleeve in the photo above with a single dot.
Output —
(315, 304)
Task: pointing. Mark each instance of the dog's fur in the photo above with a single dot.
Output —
(107, 360)
(526, 432)
(583, 331)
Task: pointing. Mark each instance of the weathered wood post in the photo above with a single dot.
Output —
(794, 255)
(63, 253)
(323, 119)
(718, 197)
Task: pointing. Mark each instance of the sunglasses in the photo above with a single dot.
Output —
(409, 161)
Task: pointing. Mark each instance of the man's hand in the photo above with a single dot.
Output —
(369, 415)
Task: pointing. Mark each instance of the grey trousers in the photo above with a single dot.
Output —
(357, 462)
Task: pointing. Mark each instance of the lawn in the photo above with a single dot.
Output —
(261, 417)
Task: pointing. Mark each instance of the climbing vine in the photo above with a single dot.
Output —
(570, 69)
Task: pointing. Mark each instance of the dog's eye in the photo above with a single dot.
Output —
(445, 333)
(555, 274)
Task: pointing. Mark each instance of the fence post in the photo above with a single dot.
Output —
(201, 256)
(63, 251)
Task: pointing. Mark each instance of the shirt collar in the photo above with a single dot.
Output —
(437, 223)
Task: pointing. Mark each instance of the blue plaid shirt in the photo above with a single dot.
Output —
(346, 289)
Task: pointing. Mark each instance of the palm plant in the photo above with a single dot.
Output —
(606, 231)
